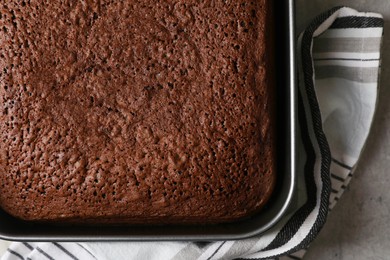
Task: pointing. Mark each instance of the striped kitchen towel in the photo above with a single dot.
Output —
(339, 61)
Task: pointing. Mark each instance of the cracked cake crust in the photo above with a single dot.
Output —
(135, 111)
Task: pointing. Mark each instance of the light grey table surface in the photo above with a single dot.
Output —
(359, 226)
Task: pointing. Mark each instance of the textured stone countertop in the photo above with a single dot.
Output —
(358, 226)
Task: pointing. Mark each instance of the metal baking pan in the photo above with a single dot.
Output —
(14, 229)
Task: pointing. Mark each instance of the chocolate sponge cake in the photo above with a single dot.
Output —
(135, 111)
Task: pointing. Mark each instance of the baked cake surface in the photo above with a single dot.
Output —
(135, 111)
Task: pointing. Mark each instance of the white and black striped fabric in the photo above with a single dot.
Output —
(339, 62)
